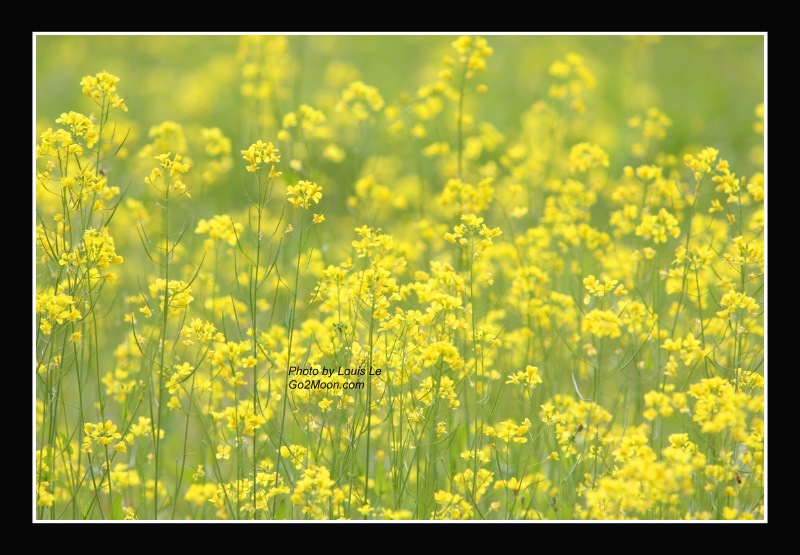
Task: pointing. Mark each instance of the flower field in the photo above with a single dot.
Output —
(399, 278)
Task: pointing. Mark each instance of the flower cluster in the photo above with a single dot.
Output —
(303, 194)
(101, 88)
(103, 435)
(261, 153)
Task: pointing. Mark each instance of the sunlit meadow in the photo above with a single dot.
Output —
(399, 278)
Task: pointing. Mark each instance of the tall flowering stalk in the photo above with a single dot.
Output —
(301, 196)
(261, 158)
(172, 297)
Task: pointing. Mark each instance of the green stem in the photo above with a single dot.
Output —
(162, 348)
(253, 312)
(292, 314)
(369, 392)
(475, 356)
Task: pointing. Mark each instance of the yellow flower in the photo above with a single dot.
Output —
(360, 100)
(101, 87)
(303, 194)
(585, 156)
(260, 153)
(729, 513)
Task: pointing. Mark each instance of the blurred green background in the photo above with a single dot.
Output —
(708, 85)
